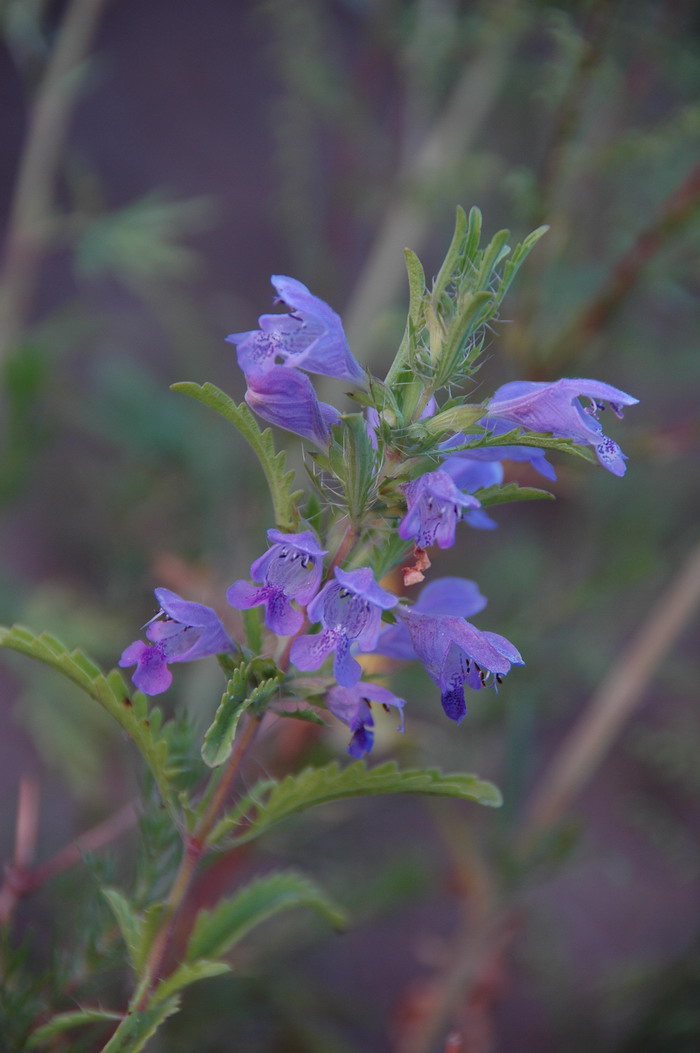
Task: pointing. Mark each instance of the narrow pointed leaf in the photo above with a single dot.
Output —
(129, 710)
(130, 924)
(187, 974)
(501, 495)
(274, 464)
(66, 1021)
(216, 931)
(261, 809)
(137, 1028)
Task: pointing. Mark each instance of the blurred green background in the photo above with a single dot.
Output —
(148, 188)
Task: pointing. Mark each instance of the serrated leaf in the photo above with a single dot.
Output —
(186, 974)
(215, 932)
(501, 495)
(264, 807)
(130, 711)
(65, 1021)
(274, 464)
(130, 925)
(519, 437)
(308, 715)
(218, 739)
(138, 1027)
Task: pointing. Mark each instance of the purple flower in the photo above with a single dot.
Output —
(290, 570)
(287, 398)
(352, 706)
(310, 337)
(435, 506)
(180, 632)
(458, 597)
(349, 609)
(455, 652)
(556, 408)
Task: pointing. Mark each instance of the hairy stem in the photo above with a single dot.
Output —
(195, 847)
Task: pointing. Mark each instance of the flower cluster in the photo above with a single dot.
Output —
(321, 612)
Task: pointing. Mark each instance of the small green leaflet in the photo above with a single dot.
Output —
(129, 710)
(274, 464)
(216, 931)
(65, 1021)
(501, 495)
(236, 699)
(138, 1027)
(272, 801)
(188, 974)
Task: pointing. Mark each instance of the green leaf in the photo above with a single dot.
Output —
(130, 925)
(138, 1027)
(216, 931)
(520, 254)
(187, 974)
(308, 715)
(129, 710)
(274, 464)
(354, 463)
(518, 437)
(218, 739)
(501, 495)
(65, 1021)
(416, 286)
(272, 801)
(458, 418)
(449, 266)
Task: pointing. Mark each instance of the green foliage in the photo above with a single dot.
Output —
(139, 243)
(186, 974)
(279, 480)
(130, 925)
(67, 1021)
(354, 463)
(238, 697)
(518, 437)
(216, 931)
(139, 1026)
(269, 801)
(130, 711)
(501, 495)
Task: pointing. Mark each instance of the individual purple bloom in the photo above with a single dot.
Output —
(287, 398)
(352, 706)
(180, 632)
(556, 408)
(458, 597)
(290, 570)
(455, 652)
(435, 506)
(349, 609)
(310, 337)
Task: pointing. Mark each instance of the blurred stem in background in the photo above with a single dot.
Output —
(32, 218)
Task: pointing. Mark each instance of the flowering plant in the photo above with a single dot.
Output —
(392, 478)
